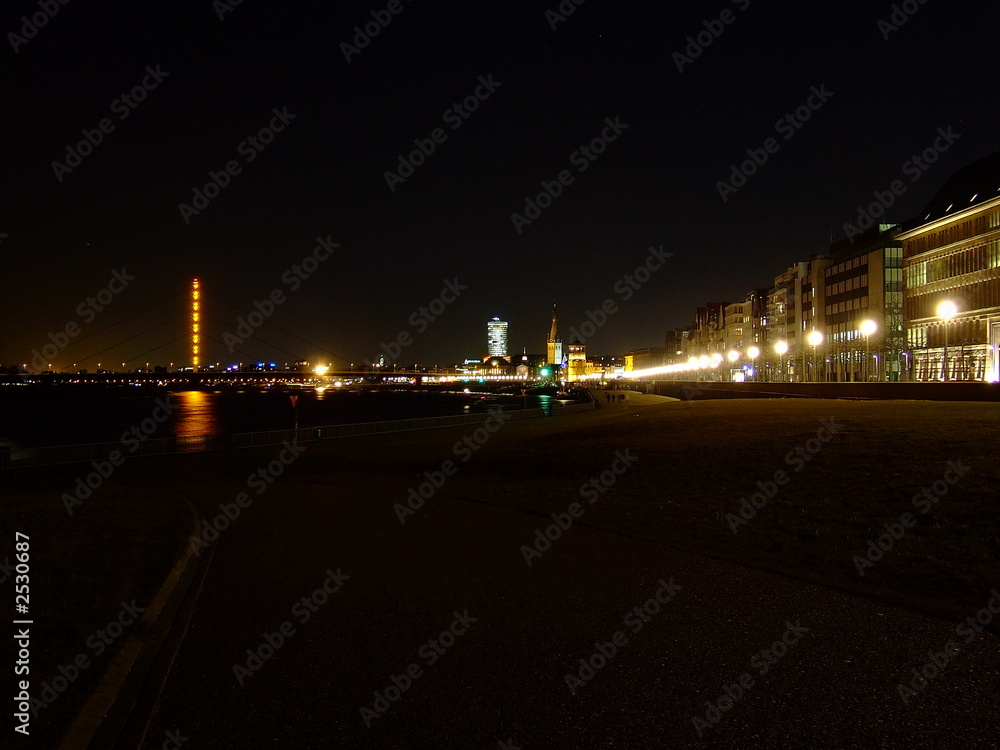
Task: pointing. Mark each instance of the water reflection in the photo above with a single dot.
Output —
(196, 413)
(545, 402)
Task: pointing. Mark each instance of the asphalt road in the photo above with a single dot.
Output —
(818, 667)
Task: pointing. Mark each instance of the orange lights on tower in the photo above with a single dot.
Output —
(195, 324)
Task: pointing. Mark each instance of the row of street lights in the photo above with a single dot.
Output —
(946, 310)
(815, 339)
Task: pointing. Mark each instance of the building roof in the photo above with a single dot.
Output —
(969, 186)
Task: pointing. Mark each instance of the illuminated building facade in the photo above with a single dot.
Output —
(710, 328)
(576, 366)
(644, 359)
(786, 304)
(746, 322)
(496, 338)
(863, 281)
(951, 253)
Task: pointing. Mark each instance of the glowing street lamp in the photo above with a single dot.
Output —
(815, 338)
(753, 352)
(946, 311)
(781, 349)
(867, 328)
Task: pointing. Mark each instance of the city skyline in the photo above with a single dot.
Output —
(609, 133)
(969, 178)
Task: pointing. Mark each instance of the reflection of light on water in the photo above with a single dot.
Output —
(195, 413)
(545, 401)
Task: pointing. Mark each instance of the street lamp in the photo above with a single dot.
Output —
(815, 338)
(753, 352)
(781, 348)
(946, 311)
(732, 356)
(868, 327)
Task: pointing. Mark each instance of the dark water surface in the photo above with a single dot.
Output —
(34, 417)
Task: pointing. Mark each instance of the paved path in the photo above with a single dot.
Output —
(503, 679)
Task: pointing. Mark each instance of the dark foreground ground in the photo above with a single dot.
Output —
(780, 605)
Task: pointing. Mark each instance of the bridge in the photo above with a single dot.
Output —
(126, 357)
(210, 378)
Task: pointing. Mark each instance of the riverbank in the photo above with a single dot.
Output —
(832, 479)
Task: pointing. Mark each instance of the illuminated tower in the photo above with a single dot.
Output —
(195, 324)
(577, 364)
(496, 337)
(554, 349)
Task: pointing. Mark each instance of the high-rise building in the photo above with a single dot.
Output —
(496, 338)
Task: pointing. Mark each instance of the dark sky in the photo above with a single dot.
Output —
(324, 174)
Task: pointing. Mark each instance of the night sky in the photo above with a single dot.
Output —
(551, 92)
